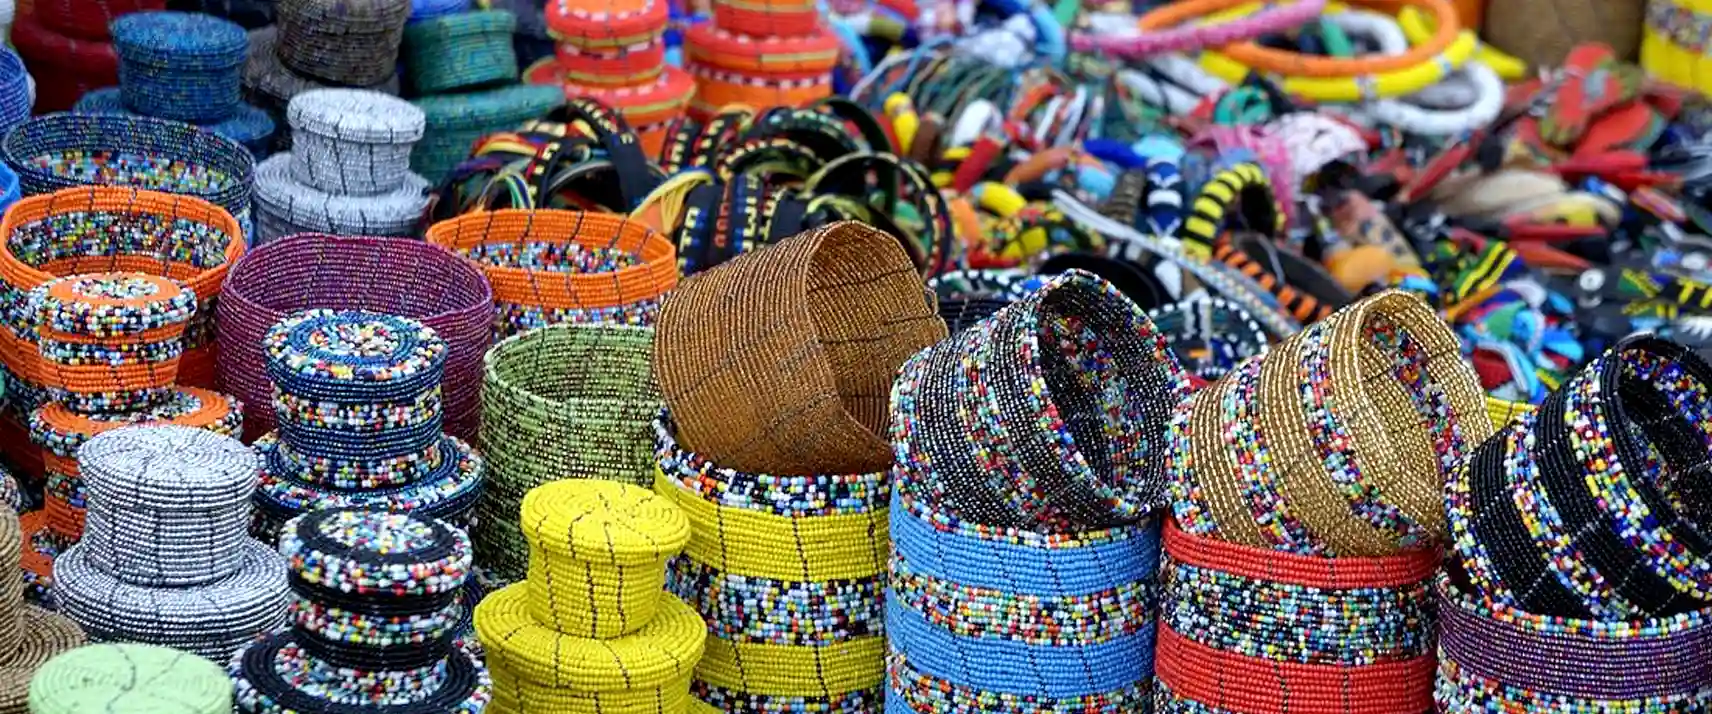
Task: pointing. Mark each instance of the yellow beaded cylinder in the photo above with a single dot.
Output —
(597, 556)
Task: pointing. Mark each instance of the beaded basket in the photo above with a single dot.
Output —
(250, 14)
(181, 66)
(77, 66)
(126, 676)
(1347, 464)
(353, 142)
(789, 572)
(428, 9)
(798, 386)
(285, 207)
(1245, 629)
(455, 122)
(346, 43)
(395, 276)
(537, 668)
(553, 266)
(599, 24)
(104, 229)
(61, 151)
(16, 91)
(564, 401)
(249, 125)
(111, 342)
(597, 555)
(460, 51)
(86, 19)
(270, 85)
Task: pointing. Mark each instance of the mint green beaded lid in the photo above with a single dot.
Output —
(130, 679)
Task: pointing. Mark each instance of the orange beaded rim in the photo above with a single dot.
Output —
(653, 277)
(1295, 64)
(807, 53)
(717, 90)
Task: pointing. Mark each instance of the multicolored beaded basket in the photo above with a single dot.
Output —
(395, 276)
(561, 402)
(111, 342)
(553, 266)
(789, 572)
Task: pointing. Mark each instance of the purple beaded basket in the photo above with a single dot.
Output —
(397, 276)
(1496, 658)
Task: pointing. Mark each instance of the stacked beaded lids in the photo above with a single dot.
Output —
(358, 401)
(592, 630)
(560, 402)
(761, 53)
(319, 44)
(614, 52)
(781, 468)
(1047, 522)
(166, 559)
(375, 620)
(1581, 547)
(29, 636)
(1306, 485)
(130, 678)
(348, 171)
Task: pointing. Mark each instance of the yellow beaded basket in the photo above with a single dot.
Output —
(538, 669)
(597, 555)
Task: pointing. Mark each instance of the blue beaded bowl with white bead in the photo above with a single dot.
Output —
(180, 65)
(250, 125)
(353, 356)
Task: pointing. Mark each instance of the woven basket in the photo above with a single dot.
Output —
(597, 555)
(87, 19)
(564, 401)
(1542, 32)
(111, 342)
(16, 90)
(124, 675)
(285, 207)
(197, 162)
(800, 384)
(349, 43)
(351, 141)
(270, 85)
(460, 51)
(250, 125)
(180, 66)
(788, 571)
(388, 275)
(178, 237)
(77, 66)
(552, 266)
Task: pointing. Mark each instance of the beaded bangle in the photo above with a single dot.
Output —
(1294, 64)
(1494, 657)
(1284, 451)
(1209, 336)
(1302, 288)
(1058, 474)
(597, 555)
(1244, 187)
(1362, 87)
(801, 420)
(1166, 30)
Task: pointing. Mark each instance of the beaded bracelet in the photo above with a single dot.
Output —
(1166, 28)
(1244, 187)
(1292, 64)
(1362, 87)
(1302, 287)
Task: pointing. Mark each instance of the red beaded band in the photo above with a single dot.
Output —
(1306, 570)
(617, 23)
(765, 18)
(1238, 683)
(809, 53)
(623, 66)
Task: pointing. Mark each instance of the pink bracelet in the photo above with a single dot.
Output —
(1185, 36)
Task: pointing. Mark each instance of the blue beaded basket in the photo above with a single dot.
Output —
(180, 65)
(250, 126)
(1064, 621)
(15, 94)
(428, 9)
(9, 194)
(66, 150)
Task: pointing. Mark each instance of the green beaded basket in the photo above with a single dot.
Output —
(136, 679)
(460, 51)
(457, 121)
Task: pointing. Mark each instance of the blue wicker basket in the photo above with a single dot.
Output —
(16, 94)
(65, 150)
(428, 9)
(180, 65)
(250, 126)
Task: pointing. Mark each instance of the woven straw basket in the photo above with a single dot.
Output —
(1541, 32)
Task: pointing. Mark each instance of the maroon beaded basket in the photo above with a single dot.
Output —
(397, 276)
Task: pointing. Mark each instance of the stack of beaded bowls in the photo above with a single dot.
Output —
(128, 677)
(457, 121)
(29, 636)
(1025, 545)
(96, 229)
(270, 84)
(165, 559)
(348, 171)
(783, 478)
(395, 276)
(1306, 486)
(614, 52)
(563, 401)
(111, 342)
(553, 266)
(59, 151)
(358, 401)
(1581, 578)
(459, 52)
(592, 629)
(760, 53)
(374, 621)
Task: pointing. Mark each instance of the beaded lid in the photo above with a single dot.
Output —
(604, 520)
(180, 40)
(130, 678)
(364, 551)
(356, 115)
(62, 431)
(107, 304)
(664, 650)
(499, 107)
(168, 464)
(325, 347)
